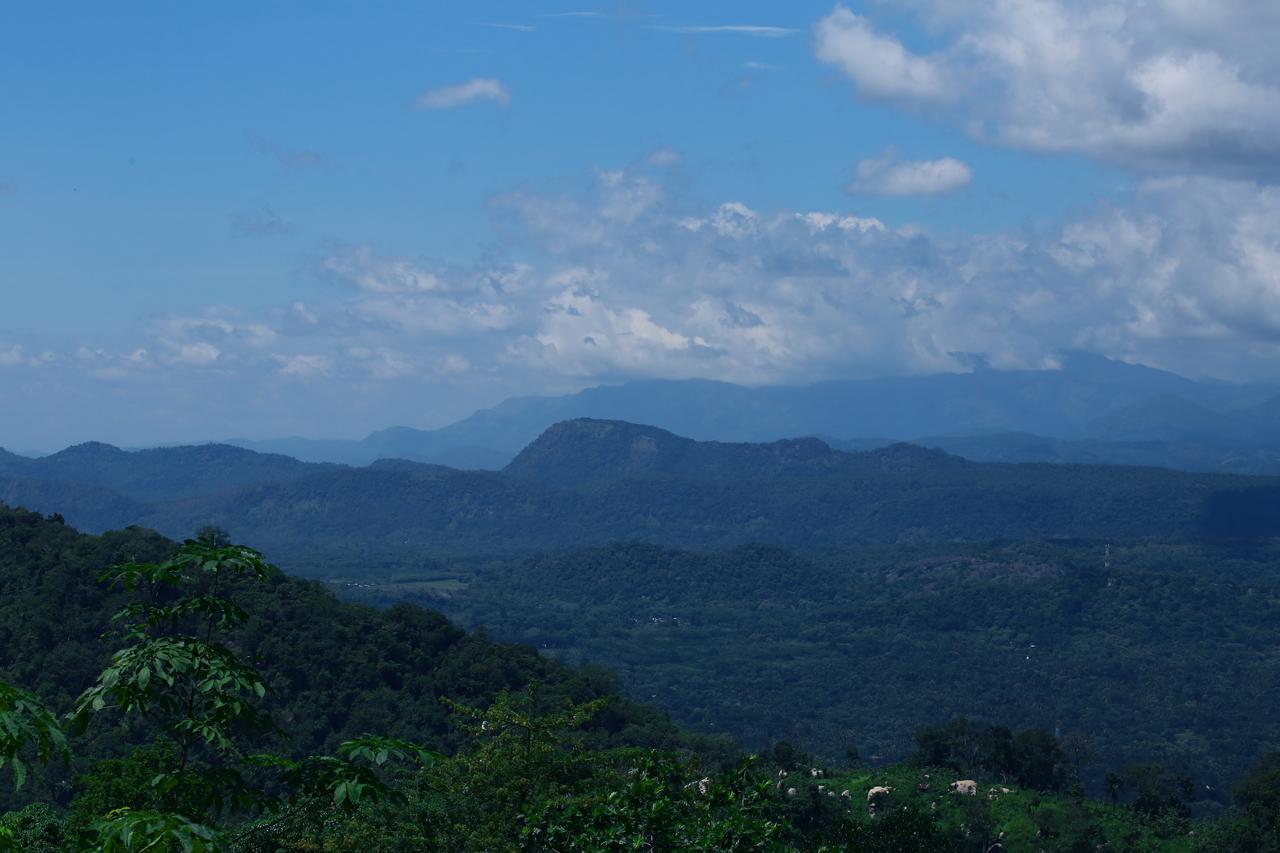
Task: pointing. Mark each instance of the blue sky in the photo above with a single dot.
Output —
(323, 218)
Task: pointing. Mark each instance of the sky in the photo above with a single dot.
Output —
(320, 219)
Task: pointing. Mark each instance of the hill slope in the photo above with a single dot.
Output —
(334, 670)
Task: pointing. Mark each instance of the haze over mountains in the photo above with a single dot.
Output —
(1092, 410)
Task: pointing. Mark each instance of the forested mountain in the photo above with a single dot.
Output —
(1160, 652)
(584, 451)
(592, 481)
(1089, 397)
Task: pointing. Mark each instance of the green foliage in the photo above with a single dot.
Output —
(38, 828)
(24, 720)
(114, 783)
(655, 805)
(352, 776)
(127, 831)
(529, 780)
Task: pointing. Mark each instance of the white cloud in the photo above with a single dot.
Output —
(886, 175)
(1187, 279)
(197, 354)
(739, 29)
(10, 355)
(879, 64)
(1163, 85)
(303, 366)
(303, 313)
(519, 28)
(478, 89)
(664, 157)
(362, 268)
(818, 220)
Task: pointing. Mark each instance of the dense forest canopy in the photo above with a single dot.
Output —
(1160, 651)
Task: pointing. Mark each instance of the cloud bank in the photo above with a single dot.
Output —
(625, 277)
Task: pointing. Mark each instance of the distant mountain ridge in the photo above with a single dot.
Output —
(591, 481)
(1089, 399)
(163, 473)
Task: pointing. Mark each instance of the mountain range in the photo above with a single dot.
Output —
(1091, 410)
(591, 481)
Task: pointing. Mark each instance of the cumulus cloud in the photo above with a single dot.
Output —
(472, 91)
(886, 175)
(877, 63)
(1166, 85)
(1185, 279)
(10, 355)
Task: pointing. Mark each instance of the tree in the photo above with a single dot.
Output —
(179, 672)
(1080, 752)
(1159, 791)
